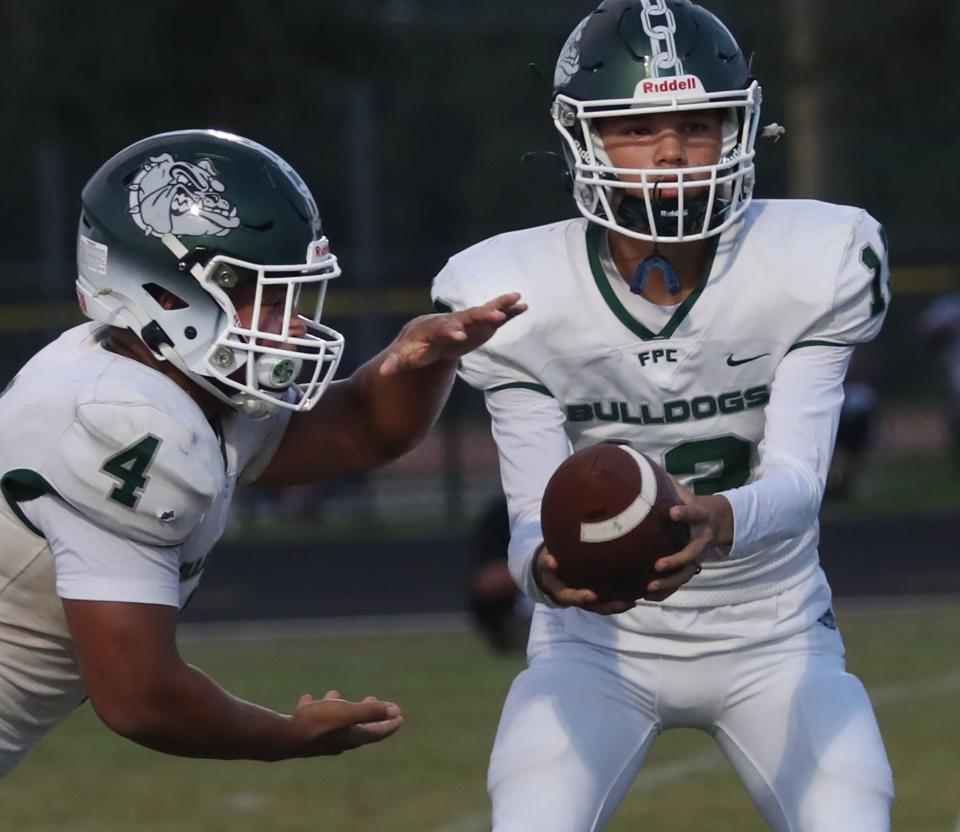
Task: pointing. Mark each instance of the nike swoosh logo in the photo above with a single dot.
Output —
(734, 362)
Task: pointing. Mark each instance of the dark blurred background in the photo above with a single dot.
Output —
(410, 119)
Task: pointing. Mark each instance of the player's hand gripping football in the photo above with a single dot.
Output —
(545, 574)
(333, 725)
(431, 338)
(710, 519)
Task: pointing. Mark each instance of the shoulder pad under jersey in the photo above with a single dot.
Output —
(136, 470)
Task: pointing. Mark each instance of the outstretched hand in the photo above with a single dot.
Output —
(710, 519)
(431, 338)
(333, 725)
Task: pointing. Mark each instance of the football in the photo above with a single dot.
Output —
(606, 519)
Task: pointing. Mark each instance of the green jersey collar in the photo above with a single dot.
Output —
(594, 241)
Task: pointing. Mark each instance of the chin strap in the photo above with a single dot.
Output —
(251, 406)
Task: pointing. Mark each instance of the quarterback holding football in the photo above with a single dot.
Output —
(125, 438)
(710, 332)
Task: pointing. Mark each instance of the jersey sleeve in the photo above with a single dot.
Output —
(487, 368)
(861, 293)
(805, 400)
(132, 469)
(93, 564)
(528, 428)
(801, 427)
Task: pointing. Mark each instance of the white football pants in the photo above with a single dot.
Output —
(797, 728)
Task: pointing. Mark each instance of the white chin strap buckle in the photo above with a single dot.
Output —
(253, 408)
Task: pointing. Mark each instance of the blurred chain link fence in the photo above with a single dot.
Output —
(409, 118)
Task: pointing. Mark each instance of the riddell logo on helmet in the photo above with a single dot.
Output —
(682, 84)
(318, 250)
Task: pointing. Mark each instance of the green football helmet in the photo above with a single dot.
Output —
(656, 56)
(191, 215)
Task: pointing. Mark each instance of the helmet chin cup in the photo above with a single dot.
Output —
(277, 372)
(668, 220)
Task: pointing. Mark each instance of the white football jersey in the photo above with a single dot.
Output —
(688, 385)
(137, 462)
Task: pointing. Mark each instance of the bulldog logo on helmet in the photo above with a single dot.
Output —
(568, 64)
(180, 198)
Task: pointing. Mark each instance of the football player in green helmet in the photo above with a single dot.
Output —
(211, 219)
(622, 61)
(712, 332)
(125, 439)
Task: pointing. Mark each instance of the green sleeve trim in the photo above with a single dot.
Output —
(20, 486)
(520, 385)
(440, 306)
(816, 343)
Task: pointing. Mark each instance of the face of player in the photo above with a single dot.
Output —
(272, 304)
(663, 141)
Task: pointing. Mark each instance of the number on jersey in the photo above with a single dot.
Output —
(129, 468)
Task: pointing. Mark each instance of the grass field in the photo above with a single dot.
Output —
(430, 777)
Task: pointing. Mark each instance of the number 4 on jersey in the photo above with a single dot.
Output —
(129, 468)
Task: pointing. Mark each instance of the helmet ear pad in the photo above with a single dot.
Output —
(731, 129)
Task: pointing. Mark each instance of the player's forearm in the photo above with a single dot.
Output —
(531, 442)
(360, 424)
(398, 410)
(526, 541)
(801, 425)
(781, 505)
(189, 715)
